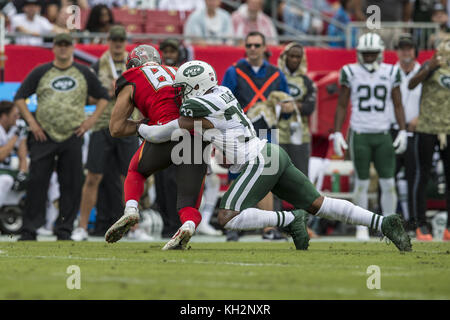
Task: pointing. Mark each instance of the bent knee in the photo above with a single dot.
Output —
(226, 215)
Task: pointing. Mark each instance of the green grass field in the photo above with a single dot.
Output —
(126, 270)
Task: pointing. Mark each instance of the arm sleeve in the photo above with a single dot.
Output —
(309, 101)
(29, 85)
(194, 109)
(230, 79)
(95, 88)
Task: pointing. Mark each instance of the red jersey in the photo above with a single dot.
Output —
(153, 93)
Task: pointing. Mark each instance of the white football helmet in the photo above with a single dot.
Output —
(195, 78)
(370, 42)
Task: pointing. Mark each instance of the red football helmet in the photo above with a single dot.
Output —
(142, 54)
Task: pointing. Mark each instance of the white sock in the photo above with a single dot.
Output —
(402, 186)
(131, 203)
(388, 196)
(360, 193)
(210, 196)
(253, 218)
(347, 212)
(6, 183)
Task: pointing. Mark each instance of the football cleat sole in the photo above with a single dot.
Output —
(118, 229)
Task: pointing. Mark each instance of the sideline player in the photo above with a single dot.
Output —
(371, 85)
(147, 85)
(262, 167)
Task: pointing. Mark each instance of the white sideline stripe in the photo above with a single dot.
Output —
(246, 264)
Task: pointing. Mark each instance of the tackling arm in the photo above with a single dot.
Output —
(159, 134)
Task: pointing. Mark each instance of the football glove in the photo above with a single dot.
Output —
(401, 142)
(20, 182)
(338, 143)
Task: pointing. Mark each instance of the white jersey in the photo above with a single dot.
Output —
(233, 134)
(370, 96)
(4, 138)
(410, 98)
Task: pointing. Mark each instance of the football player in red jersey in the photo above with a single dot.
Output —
(147, 85)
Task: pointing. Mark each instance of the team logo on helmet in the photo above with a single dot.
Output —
(64, 83)
(445, 81)
(193, 71)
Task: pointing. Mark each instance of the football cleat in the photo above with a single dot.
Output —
(181, 238)
(118, 229)
(298, 231)
(392, 228)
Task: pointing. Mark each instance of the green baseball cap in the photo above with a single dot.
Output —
(117, 32)
(63, 37)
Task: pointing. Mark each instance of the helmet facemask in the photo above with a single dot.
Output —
(370, 66)
(186, 90)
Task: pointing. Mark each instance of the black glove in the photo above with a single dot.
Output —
(20, 182)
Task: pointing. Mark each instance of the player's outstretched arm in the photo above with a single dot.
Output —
(341, 111)
(163, 133)
(120, 125)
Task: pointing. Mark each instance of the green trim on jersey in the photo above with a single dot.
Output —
(194, 109)
(397, 79)
(210, 104)
(343, 79)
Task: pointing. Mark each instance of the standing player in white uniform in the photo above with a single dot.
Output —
(12, 140)
(213, 111)
(371, 85)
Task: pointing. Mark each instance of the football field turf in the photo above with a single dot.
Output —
(237, 270)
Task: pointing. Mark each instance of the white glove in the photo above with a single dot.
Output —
(401, 142)
(338, 143)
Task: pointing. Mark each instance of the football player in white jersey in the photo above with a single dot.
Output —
(213, 111)
(12, 140)
(371, 85)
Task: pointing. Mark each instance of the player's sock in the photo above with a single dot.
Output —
(347, 212)
(133, 187)
(190, 214)
(210, 194)
(253, 218)
(388, 196)
(360, 192)
(131, 203)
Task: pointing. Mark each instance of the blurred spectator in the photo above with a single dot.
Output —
(439, 16)
(32, 24)
(104, 149)
(208, 25)
(343, 15)
(433, 129)
(296, 137)
(62, 88)
(250, 17)
(181, 5)
(302, 20)
(100, 20)
(12, 140)
(174, 53)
